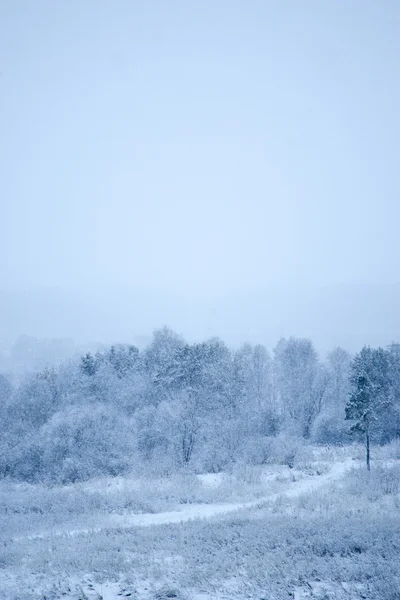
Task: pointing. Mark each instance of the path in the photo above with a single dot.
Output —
(200, 511)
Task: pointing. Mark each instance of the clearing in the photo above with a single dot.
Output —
(269, 532)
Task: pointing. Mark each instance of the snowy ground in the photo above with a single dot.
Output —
(197, 511)
(307, 532)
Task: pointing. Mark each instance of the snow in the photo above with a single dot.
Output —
(143, 570)
(198, 511)
(211, 480)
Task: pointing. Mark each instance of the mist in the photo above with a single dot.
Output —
(347, 316)
(222, 169)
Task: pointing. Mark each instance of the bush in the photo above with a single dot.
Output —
(283, 450)
(256, 450)
(380, 481)
(390, 451)
(76, 444)
(330, 429)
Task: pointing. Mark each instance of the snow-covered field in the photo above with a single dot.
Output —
(324, 529)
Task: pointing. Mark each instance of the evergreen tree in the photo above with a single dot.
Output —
(369, 395)
(124, 359)
(89, 365)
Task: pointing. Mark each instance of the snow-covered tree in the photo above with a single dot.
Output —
(369, 397)
(295, 373)
(5, 390)
(329, 426)
(339, 368)
(252, 388)
(392, 415)
(158, 358)
(89, 364)
(124, 359)
(262, 377)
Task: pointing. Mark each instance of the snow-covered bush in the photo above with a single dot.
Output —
(330, 428)
(284, 449)
(151, 443)
(256, 450)
(25, 462)
(380, 481)
(389, 451)
(75, 444)
(79, 443)
(248, 474)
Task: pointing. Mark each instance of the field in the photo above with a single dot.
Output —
(323, 529)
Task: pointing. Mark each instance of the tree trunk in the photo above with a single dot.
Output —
(368, 451)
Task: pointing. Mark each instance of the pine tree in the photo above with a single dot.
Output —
(369, 396)
(89, 364)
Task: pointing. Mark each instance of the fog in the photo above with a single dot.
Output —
(224, 168)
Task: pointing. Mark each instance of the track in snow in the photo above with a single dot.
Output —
(199, 511)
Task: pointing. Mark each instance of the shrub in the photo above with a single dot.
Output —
(75, 444)
(330, 429)
(380, 481)
(283, 449)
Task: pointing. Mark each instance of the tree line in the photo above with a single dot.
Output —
(202, 405)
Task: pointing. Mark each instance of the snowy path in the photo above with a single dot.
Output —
(199, 511)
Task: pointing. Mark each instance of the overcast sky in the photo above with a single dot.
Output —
(226, 167)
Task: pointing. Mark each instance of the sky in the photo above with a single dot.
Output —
(220, 166)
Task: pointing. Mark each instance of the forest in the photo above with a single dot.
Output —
(202, 407)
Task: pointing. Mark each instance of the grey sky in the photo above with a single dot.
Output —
(207, 156)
